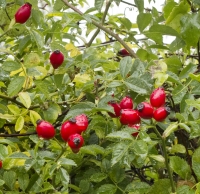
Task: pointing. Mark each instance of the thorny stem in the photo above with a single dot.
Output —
(108, 31)
(102, 21)
(166, 159)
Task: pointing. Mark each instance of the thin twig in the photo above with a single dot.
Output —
(100, 26)
(102, 21)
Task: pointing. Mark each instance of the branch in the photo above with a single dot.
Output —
(12, 100)
(100, 26)
(102, 21)
(18, 135)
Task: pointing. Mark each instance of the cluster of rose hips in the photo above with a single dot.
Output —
(128, 116)
(70, 132)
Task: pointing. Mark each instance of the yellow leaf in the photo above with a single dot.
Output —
(81, 79)
(72, 49)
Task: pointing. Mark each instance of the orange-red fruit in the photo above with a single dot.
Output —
(135, 126)
(129, 116)
(145, 110)
(116, 107)
(81, 122)
(75, 141)
(68, 128)
(161, 113)
(23, 13)
(1, 164)
(56, 59)
(157, 97)
(45, 129)
(126, 103)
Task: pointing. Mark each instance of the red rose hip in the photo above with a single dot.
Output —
(157, 97)
(81, 122)
(75, 141)
(45, 129)
(116, 107)
(56, 59)
(23, 13)
(123, 53)
(68, 128)
(126, 103)
(129, 116)
(1, 164)
(161, 113)
(135, 126)
(145, 110)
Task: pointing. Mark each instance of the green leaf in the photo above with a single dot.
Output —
(119, 135)
(173, 64)
(140, 5)
(196, 162)
(170, 129)
(125, 66)
(193, 103)
(92, 150)
(66, 162)
(15, 85)
(164, 30)
(19, 124)
(180, 167)
(37, 37)
(3, 151)
(23, 180)
(82, 107)
(120, 150)
(178, 93)
(161, 186)
(107, 189)
(126, 23)
(155, 36)
(32, 60)
(1, 183)
(25, 99)
(185, 189)
(9, 177)
(178, 148)
(84, 186)
(143, 20)
(18, 155)
(52, 112)
(137, 187)
(137, 85)
(190, 28)
(11, 66)
(98, 177)
(64, 176)
(42, 86)
(34, 117)
(117, 173)
(98, 4)
(190, 68)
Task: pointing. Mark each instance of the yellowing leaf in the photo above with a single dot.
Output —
(19, 124)
(73, 50)
(12, 73)
(25, 99)
(81, 79)
(34, 117)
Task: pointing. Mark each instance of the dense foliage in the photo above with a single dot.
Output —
(163, 158)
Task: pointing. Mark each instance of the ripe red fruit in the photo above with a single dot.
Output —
(68, 128)
(161, 113)
(81, 122)
(123, 53)
(1, 164)
(126, 103)
(135, 126)
(23, 13)
(129, 116)
(116, 107)
(157, 97)
(75, 141)
(145, 110)
(56, 59)
(45, 129)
